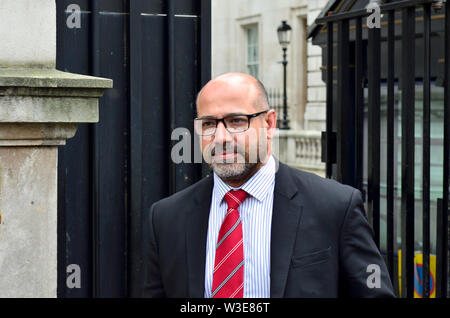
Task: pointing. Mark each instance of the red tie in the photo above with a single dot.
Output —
(228, 275)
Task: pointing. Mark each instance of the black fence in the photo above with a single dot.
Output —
(374, 76)
(276, 102)
(158, 54)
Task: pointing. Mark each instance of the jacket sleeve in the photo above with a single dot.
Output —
(153, 286)
(363, 271)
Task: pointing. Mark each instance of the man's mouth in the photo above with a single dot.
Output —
(225, 155)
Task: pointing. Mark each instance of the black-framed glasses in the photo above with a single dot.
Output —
(235, 123)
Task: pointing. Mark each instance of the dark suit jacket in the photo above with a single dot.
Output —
(321, 242)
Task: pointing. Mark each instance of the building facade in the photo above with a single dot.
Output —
(244, 39)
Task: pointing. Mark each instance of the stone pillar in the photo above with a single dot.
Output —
(40, 108)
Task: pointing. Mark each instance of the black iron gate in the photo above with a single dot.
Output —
(158, 54)
(408, 56)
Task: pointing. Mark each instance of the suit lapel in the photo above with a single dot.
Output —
(196, 233)
(286, 216)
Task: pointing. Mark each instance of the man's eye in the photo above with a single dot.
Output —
(207, 124)
(237, 120)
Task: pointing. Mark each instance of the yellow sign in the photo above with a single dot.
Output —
(418, 274)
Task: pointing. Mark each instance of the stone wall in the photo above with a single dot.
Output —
(28, 33)
(315, 114)
(40, 108)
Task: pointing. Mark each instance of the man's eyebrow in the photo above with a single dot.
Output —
(228, 115)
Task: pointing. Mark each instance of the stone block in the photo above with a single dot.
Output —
(28, 229)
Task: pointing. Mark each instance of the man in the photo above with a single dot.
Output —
(256, 227)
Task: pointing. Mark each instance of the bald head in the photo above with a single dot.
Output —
(236, 84)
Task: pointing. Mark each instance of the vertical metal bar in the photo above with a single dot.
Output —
(426, 152)
(135, 149)
(205, 43)
(408, 86)
(374, 76)
(390, 144)
(94, 161)
(445, 234)
(343, 76)
(171, 85)
(439, 241)
(285, 116)
(205, 54)
(359, 104)
(329, 119)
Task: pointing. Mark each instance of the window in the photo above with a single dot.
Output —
(252, 51)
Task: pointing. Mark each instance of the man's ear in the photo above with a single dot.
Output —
(271, 122)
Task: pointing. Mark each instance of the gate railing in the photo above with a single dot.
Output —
(359, 65)
(275, 96)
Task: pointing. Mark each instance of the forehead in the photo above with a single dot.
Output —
(222, 98)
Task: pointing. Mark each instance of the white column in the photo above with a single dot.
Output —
(40, 108)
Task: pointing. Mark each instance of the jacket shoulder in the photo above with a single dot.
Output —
(186, 195)
(322, 190)
(305, 178)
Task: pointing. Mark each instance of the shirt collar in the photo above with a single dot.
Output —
(257, 186)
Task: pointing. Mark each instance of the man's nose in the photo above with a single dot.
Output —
(222, 135)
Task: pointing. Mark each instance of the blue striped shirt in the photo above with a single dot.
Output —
(256, 218)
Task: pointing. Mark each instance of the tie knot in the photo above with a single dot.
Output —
(235, 197)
